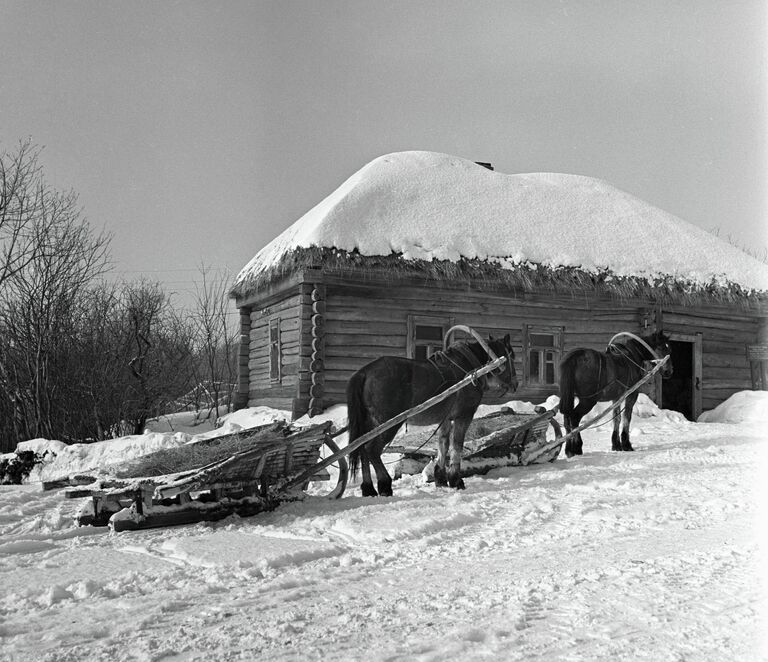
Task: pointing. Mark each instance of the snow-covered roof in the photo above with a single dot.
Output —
(426, 206)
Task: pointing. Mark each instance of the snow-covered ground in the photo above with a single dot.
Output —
(654, 555)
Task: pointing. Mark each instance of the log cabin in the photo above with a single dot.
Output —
(416, 242)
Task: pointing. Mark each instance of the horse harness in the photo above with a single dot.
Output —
(466, 353)
(620, 351)
(474, 363)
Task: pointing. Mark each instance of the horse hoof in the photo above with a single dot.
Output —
(440, 479)
(457, 483)
(628, 447)
(368, 490)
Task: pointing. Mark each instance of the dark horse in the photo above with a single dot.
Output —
(390, 385)
(593, 376)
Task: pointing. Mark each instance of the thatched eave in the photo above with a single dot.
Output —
(522, 278)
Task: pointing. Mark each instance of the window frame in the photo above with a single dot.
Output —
(425, 320)
(557, 333)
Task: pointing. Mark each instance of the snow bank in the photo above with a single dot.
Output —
(427, 206)
(741, 407)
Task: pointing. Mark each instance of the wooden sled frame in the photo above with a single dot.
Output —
(509, 445)
(242, 483)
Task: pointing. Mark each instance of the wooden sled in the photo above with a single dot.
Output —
(504, 438)
(274, 465)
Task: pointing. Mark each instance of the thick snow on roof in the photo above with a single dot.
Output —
(425, 205)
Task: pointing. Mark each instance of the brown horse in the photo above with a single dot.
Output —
(593, 376)
(391, 385)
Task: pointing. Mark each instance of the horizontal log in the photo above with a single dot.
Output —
(381, 342)
(711, 385)
(364, 326)
(288, 304)
(343, 285)
(723, 348)
(268, 400)
(725, 360)
(708, 318)
(713, 374)
(286, 324)
(491, 315)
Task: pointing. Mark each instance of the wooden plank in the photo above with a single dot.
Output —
(722, 347)
(711, 385)
(715, 374)
(708, 319)
(725, 361)
(343, 283)
(364, 326)
(379, 342)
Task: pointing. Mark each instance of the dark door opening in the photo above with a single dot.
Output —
(677, 391)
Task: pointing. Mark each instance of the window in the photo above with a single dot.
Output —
(543, 347)
(425, 336)
(275, 350)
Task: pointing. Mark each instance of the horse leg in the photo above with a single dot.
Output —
(615, 436)
(626, 419)
(574, 445)
(383, 479)
(443, 433)
(570, 443)
(453, 474)
(366, 487)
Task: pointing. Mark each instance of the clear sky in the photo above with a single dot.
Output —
(198, 131)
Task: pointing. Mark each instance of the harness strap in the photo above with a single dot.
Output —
(465, 352)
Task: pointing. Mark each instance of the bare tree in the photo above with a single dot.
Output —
(160, 351)
(23, 198)
(79, 358)
(49, 256)
(214, 338)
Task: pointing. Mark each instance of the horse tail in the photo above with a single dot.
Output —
(567, 384)
(356, 417)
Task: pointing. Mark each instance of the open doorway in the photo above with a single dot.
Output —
(682, 391)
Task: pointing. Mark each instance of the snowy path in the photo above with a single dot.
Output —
(652, 555)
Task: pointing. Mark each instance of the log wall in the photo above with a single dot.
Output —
(332, 326)
(262, 390)
(725, 334)
(365, 322)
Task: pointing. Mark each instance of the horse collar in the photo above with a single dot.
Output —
(642, 342)
(468, 354)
